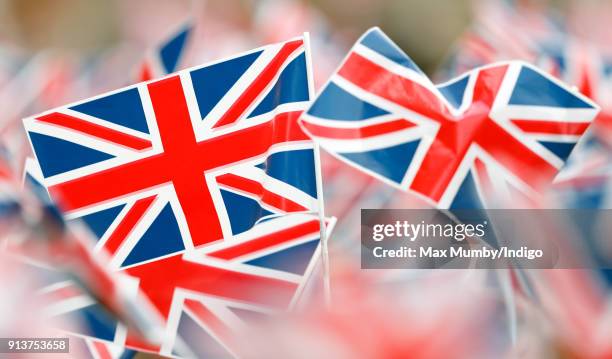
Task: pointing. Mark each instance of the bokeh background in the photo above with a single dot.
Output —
(57, 51)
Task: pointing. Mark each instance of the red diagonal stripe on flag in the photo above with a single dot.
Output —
(92, 129)
(127, 224)
(551, 127)
(101, 350)
(255, 89)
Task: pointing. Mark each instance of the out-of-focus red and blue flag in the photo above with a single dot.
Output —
(166, 58)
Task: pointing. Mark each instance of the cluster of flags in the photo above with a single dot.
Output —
(172, 215)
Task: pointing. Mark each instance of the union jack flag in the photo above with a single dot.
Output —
(504, 128)
(207, 296)
(166, 58)
(162, 171)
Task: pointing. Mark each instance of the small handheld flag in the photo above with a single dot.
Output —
(509, 124)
